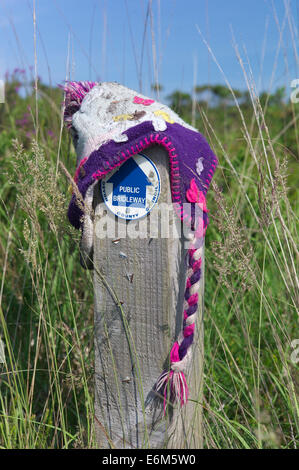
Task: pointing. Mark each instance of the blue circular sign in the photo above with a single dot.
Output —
(133, 189)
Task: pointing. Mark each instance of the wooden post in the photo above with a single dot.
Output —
(139, 286)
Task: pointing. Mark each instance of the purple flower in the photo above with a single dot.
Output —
(24, 121)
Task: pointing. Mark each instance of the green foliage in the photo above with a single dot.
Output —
(180, 102)
(277, 99)
(46, 316)
(250, 384)
(157, 87)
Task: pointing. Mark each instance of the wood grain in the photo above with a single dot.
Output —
(139, 286)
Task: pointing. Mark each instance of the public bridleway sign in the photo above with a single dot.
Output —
(133, 189)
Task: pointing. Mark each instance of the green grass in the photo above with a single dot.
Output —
(251, 293)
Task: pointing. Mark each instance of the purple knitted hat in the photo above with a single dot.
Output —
(111, 123)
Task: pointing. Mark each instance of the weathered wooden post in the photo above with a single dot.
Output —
(139, 199)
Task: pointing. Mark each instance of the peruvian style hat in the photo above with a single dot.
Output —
(110, 123)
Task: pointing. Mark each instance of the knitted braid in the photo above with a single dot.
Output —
(172, 384)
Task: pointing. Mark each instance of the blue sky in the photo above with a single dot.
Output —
(106, 40)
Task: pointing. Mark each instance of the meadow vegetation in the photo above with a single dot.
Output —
(251, 383)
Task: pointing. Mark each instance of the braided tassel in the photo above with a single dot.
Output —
(172, 384)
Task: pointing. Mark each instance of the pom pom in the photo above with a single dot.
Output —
(75, 92)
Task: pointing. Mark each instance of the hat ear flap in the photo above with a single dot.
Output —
(75, 92)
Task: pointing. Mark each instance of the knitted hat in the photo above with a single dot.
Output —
(111, 123)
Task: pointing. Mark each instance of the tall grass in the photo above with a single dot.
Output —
(251, 383)
(251, 295)
(46, 397)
